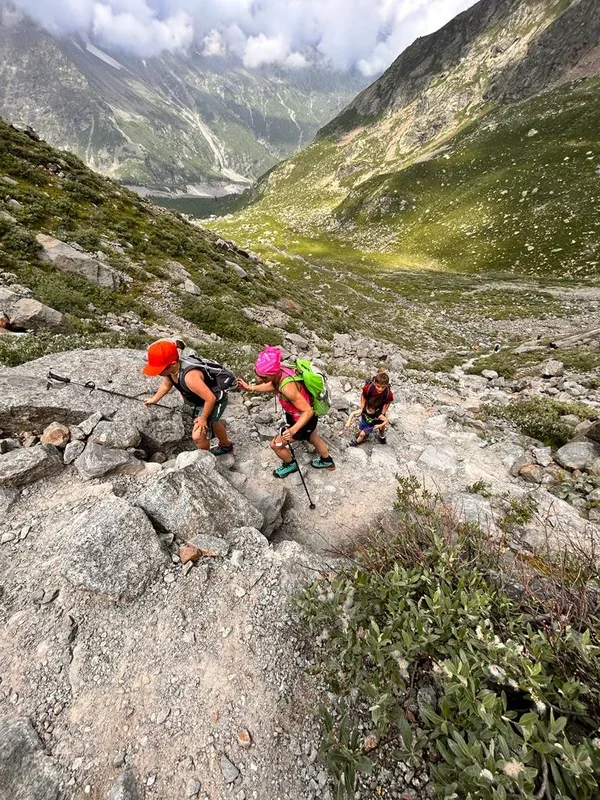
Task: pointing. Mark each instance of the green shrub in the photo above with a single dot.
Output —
(539, 418)
(224, 319)
(480, 487)
(514, 692)
(18, 350)
(17, 241)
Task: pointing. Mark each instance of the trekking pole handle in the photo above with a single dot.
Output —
(52, 376)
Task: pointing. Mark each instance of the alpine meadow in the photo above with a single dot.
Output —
(300, 458)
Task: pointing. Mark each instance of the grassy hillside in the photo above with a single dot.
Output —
(514, 193)
(48, 191)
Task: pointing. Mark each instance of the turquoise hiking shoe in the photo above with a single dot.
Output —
(285, 469)
(221, 449)
(323, 463)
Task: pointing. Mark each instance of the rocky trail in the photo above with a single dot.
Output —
(148, 647)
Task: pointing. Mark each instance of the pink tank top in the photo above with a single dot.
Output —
(290, 408)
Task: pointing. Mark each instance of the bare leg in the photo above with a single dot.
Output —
(281, 450)
(319, 445)
(200, 440)
(220, 432)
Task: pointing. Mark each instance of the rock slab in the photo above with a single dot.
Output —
(576, 455)
(29, 464)
(68, 259)
(112, 549)
(98, 460)
(26, 773)
(197, 500)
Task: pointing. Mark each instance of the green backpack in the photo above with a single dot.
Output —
(315, 382)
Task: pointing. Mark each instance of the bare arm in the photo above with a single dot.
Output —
(196, 383)
(353, 416)
(164, 388)
(258, 387)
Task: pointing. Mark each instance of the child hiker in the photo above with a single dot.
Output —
(374, 404)
(199, 382)
(296, 402)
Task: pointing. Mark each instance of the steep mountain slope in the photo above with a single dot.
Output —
(178, 121)
(476, 151)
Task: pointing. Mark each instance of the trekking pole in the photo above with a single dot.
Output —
(295, 460)
(52, 376)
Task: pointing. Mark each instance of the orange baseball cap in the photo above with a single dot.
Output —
(161, 355)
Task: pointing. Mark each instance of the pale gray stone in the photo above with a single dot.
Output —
(228, 769)
(473, 508)
(543, 455)
(97, 460)
(112, 549)
(438, 458)
(29, 464)
(241, 273)
(72, 451)
(553, 369)
(8, 497)
(124, 788)
(190, 287)
(26, 773)
(32, 314)
(89, 424)
(576, 455)
(214, 544)
(119, 433)
(196, 499)
(68, 259)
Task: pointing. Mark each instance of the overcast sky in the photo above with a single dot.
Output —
(366, 34)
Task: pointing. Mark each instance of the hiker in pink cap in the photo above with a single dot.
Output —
(296, 402)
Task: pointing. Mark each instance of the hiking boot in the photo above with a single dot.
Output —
(323, 463)
(382, 438)
(221, 449)
(285, 469)
(355, 442)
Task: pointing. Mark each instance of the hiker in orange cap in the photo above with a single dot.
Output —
(202, 383)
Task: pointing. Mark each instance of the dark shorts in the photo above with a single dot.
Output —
(216, 414)
(306, 431)
(367, 426)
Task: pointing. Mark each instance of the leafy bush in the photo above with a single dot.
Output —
(17, 241)
(539, 418)
(480, 487)
(514, 693)
(18, 350)
(225, 320)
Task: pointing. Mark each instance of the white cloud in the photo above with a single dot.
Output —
(366, 34)
(144, 36)
(213, 45)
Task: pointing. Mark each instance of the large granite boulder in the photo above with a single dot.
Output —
(112, 549)
(193, 498)
(68, 259)
(26, 773)
(26, 403)
(33, 315)
(577, 455)
(29, 464)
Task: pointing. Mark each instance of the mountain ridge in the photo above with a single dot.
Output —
(179, 122)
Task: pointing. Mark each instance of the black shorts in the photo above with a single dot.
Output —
(306, 431)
